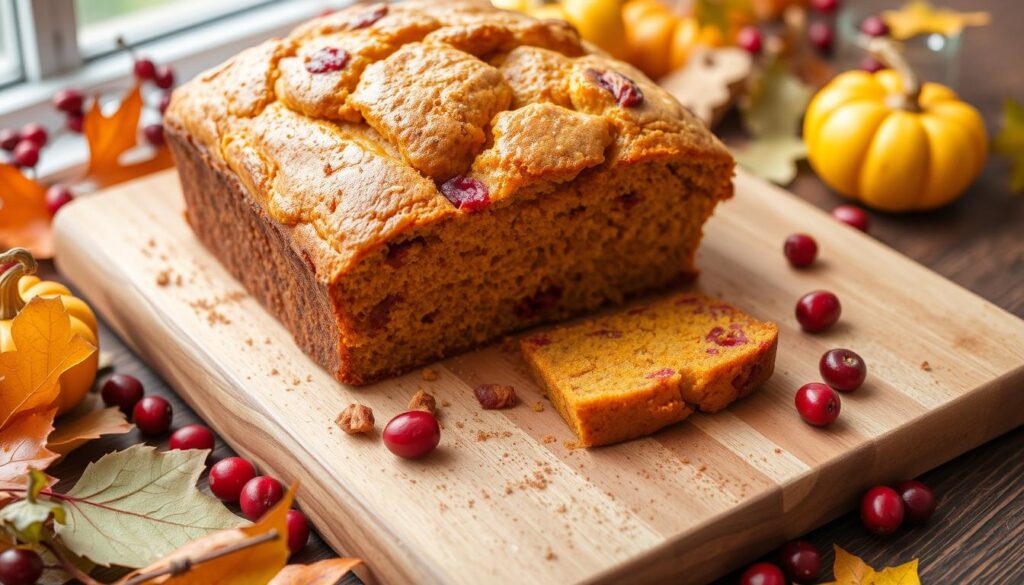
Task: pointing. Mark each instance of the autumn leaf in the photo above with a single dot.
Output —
(23, 445)
(254, 564)
(46, 347)
(134, 506)
(84, 424)
(24, 219)
(326, 572)
(919, 17)
(771, 114)
(1010, 142)
(27, 516)
(851, 570)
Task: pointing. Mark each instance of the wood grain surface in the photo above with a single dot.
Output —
(688, 504)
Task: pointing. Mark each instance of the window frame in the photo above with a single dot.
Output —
(13, 46)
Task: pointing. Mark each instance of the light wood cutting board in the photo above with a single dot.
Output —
(504, 499)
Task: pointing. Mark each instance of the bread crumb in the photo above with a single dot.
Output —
(445, 403)
(482, 436)
(926, 366)
(548, 439)
(163, 278)
(571, 445)
(550, 555)
(778, 451)
(249, 342)
(274, 372)
(537, 406)
(429, 374)
(355, 419)
(424, 401)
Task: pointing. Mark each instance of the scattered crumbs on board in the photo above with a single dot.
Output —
(537, 406)
(926, 366)
(548, 439)
(429, 374)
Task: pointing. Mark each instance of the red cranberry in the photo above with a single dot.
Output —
(368, 17)
(817, 404)
(75, 123)
(763, 574)
(164, 77)
(412, 434)
(852, 215)
(842, 369)
(749, 39)
(9, 139)
(466, 193)
(298, 531)
(26, 154)
(57, 196)
(825, 6)
(258, 495)
(801, 561)
(626, 92)
(874, 26)
(122, 391)
(228, 476)
(152, 415)
(34, 133)
(326, 60)
(144, 69)
(20, 566)
(817, 311)
(68, 101)
(918, 501)
(154, 134)
(165, 100)
(800, 249)
(821, 36)
(881, 510)
(871, 65)
(192, 437)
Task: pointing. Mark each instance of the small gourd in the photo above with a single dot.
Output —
(658, 40)
(18, 285)
(891, 142)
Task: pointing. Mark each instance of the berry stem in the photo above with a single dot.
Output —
(67, 566)
(885, 51)
(181, 566)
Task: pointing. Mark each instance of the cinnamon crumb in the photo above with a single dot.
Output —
(274, 372)
(482, 436)
(423, 401)
(561, 509)
(926, 366)
(309, 377)
(249, 342)
(296, 381)
(550, 555)
(778, 451)
(328, 169)
(495, 396)
(163, 278)
(355, 419)
(571, 445)
(537, 406)
(445, 403)
(548, 439)
(429, 374)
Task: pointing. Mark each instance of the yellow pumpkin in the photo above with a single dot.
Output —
(892, 143)
(17, 287)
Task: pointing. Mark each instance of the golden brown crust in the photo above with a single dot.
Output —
(432, 80)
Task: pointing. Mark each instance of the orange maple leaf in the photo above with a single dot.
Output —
(109, 137)
(83, 424)
(24, 219)
(45, 347)
(254, 564)
(326, 572)
(24, 445)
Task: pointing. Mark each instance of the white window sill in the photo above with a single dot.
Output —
(189, 52)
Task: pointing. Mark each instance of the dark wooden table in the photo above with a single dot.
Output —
(977, 535)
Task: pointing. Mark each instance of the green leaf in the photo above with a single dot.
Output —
(134, 506)
(776, 103)
(772, 158)
(1010, 142)
(26, 518)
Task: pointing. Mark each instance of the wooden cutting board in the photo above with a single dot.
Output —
(505, 499)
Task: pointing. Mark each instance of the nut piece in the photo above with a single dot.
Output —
(423, 401)
(355, 419)
(495, 396)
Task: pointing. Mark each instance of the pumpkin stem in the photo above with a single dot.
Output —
(10, 297)
(885, 50)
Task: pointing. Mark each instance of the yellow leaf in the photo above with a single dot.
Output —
(1010, 142)
(24, 220)
(82, 425)
(255, 564)
(851, 570)
(327, 572)
(46, 347)
(919, 17)
(23, 445)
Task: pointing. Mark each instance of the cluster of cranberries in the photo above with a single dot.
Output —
(873, 26)
(161, 76)
(24, 144)
(884, 509)
(820, 33)
(799, 562)
(234, 480)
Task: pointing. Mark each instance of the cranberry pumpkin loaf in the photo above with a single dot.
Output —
(631, 373)
(399, 182)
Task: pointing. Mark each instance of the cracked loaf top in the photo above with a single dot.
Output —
(379, 119)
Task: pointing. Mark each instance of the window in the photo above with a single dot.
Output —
(10, 63)
(101, 23)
